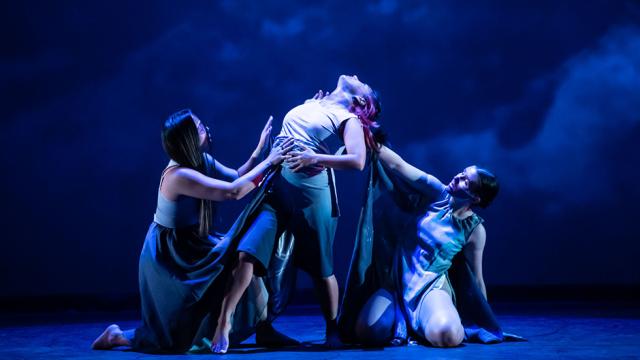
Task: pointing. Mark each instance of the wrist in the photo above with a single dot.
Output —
(256, 181)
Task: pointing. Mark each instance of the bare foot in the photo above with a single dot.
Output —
(220, 341)
(110, 338)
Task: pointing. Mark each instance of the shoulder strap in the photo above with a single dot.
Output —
(164, 172)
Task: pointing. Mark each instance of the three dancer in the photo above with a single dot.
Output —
(300, 200)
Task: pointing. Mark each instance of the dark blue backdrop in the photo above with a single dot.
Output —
(545, 93)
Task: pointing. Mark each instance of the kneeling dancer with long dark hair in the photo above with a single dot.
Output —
(182, 270)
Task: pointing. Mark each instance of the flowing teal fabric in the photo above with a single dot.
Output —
(388, 224)
(183, 278)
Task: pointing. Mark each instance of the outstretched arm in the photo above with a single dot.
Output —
(253, 159)
(394, 162)
(421, 180)
(195, 184)
(473, 253)
(355, 158)
(228, 173)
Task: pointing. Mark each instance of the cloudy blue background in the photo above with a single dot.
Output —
(545, 93)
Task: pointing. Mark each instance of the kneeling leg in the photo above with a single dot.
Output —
(376, 319)
(439, 319)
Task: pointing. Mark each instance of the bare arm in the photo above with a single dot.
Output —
(473, 253)
(192, 183)
(355, 158)
(226, 172)
(394, 162)
(253, 159)
(422, 181)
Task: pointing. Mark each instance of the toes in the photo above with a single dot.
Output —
(219, 349)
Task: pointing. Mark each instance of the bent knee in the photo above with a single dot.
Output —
(442, 332)
(246, 258)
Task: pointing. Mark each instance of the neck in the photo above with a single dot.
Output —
(460, 208)
(340, 98)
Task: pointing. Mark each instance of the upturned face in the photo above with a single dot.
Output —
(202, 131)
(462, 185)
(352, 85)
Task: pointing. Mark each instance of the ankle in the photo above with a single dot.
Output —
(224, 324)
(118, 339)
(332, 325)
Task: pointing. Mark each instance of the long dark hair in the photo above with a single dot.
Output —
(181, 142)
(487, 188)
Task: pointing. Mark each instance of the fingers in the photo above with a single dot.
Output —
(296, 166)
(286, 149)
(289, 141)
(267, 126)
(293, 159)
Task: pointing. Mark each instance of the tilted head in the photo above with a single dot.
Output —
(476, 185)
(364, 102)
(183, 139)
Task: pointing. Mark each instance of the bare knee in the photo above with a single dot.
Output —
(244, 258)
(442, 331)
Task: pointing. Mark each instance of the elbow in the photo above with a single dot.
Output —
(360, 162)
(234, 193)
(234, 196)
(239, 191)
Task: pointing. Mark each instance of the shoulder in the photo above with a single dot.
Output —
(184, 173)
(342, 116)
(208, 158)
(436, 184)
(339, 113)
(478, 236)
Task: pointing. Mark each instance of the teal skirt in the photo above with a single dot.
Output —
(304, 206)
(182, 278)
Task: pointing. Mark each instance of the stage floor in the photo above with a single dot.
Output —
(563, 331)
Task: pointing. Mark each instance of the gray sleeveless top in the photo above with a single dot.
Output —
(316, 124)
(183, 212)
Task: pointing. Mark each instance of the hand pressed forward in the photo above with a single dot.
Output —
(280, 152)
(300, 159)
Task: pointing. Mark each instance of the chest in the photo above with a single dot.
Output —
(439, 235)
(313, 120)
